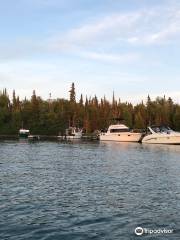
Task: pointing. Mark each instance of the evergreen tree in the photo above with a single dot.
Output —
(52, 117)
(81, 100)
(72, 93)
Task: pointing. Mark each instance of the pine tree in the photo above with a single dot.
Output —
(81, 100)
(72, 93)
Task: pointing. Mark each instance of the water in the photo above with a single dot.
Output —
(55, 191)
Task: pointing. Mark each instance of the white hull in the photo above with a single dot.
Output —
(162, 139)
(121, 137)
(77, 137)
(73, 137)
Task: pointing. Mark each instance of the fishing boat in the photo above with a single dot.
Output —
(120, 133)
(72, 133)
(24, 133)
(161, 135)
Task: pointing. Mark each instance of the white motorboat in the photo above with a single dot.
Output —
(72, 133)
(120, 133)
(33, 137)
(161, 135)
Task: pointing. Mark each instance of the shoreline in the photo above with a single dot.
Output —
(44, 137)
(16, 137)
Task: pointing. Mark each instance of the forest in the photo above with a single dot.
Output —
(53, 116)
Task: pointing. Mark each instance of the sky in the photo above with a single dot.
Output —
(131, 47)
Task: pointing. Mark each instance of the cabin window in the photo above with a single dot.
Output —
(119, 130)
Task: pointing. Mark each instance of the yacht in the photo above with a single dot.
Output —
(120, 133)
(72, 133)
(161, 135)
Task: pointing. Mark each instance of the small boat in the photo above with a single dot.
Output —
(72, 133)
(33, 137)
(120, 133)
(161, 135)
(24, 133)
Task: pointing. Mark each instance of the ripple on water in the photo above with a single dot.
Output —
(87, 191)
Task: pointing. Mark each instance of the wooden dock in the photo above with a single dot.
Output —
(85, 137)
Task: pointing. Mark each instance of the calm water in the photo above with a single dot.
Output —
(83, 191)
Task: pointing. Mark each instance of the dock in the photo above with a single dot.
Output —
(85, 137)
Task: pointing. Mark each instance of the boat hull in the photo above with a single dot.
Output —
(166, 139)
(122, 137)
(33, 137)
(69, 137)
(73, 137)
(23, 135)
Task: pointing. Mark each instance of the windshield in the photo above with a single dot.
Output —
(161, 129)
(119, 130)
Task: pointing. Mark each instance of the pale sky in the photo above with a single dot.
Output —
(129, 46)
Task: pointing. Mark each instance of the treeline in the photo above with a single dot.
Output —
(54, 116)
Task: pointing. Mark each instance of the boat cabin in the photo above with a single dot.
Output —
(118, 128)
(73, 131)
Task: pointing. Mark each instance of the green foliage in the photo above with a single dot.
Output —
(52, 117)
(176, 118)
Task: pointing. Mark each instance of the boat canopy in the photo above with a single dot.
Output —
(23, 131)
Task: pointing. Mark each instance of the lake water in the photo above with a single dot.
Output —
(58, 191)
